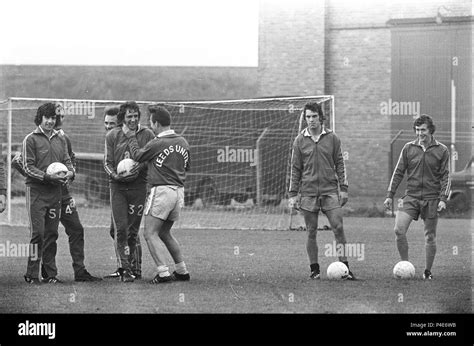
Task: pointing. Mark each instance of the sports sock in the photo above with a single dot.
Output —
(402, 245)
(181, 268)
(314, 267)
(347, 264)
(163, 271)
(430, 255)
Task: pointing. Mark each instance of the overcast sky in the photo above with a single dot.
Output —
(133, 32)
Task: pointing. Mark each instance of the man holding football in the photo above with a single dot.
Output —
(426, 162)
(318, 174)
(168, 160)
(41, 148)
(110, 122)
(127, 192)
(69, 217)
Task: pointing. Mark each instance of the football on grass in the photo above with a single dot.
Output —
(404, 270)
(57, 168)
(337, 271)
(125, 166)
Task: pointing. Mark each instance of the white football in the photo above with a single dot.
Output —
(57, 168)
(404, 270)
(125, 166)
(337, 271)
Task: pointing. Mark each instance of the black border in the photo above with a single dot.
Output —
(233, 329)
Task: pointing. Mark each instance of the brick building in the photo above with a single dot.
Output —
(371, 54)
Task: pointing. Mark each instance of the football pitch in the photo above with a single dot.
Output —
(252, 271)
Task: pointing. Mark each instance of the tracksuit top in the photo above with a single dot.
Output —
(167, 155)
(317, 167)
(117, 149)
(427, 171)
(17, 163)
(39, 151)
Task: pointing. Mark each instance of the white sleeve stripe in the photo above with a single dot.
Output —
(291, 168)
(344, 166)
(393, 173)
(448, 185)
(25, 166)
(106, 167)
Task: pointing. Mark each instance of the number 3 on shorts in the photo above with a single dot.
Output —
(131, 209)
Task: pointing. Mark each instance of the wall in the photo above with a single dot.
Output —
(354, 52)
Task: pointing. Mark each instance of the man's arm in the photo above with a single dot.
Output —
(29, 160)
(71, 153)
(445, 179)
(340, 165)
(17, 163)
(398, 173)
(109, 156)
(296, 170)
(138, 154)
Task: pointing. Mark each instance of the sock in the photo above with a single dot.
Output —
(402, 246)
(181, 268)
(430, 255)
(314, 267)
(163, 271)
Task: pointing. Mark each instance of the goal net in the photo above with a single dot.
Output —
(240, 156)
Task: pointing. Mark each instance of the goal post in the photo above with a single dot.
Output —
(240, 157)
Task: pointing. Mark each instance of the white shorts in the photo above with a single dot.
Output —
(165, 202)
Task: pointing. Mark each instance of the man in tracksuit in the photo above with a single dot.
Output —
(318, 174)
(110, 122)
(40, 148)
(127, 193)
(69, 216)
(426, 162)
(168, 160)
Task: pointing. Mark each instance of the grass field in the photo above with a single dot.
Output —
(242, 271)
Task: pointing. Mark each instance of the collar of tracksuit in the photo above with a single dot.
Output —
(316, 139)
(39, 129)
(433, 142)
(166, 133)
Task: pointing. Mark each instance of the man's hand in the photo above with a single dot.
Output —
(343, 197)
(3, 203)
(129, 177)
(388, 203)
(69, 176)
(441, 206)
(56, 178)
(292, 202)
(135, 169)
(124, 178)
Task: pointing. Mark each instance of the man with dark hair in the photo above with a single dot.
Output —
(426, 162)
(127, 192)
(69, 217)
(40, 148)
(111, 122)
(318, 174)
(110, 117)
(168, 160)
